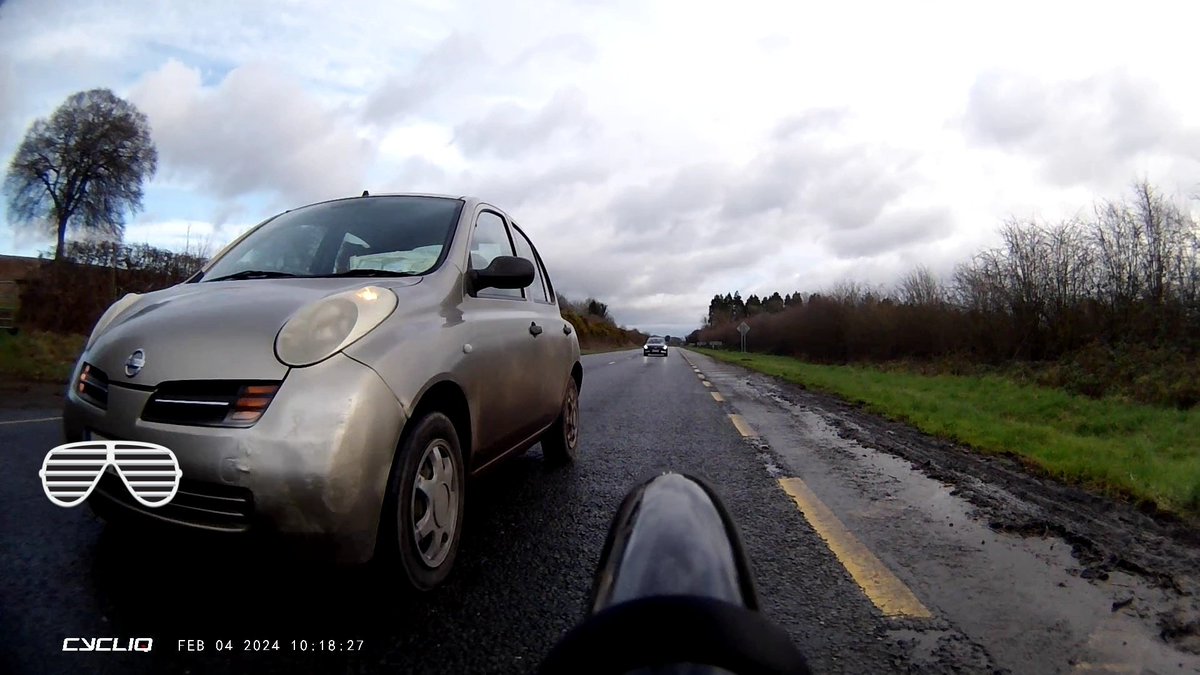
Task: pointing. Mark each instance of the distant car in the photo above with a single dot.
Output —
(336, 374)
(654, 345)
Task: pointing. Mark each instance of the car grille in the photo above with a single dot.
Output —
(215, 403)
(197, 503)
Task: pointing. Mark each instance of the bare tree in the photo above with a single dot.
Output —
(921, 288)
(596, 308)
(848, 292)
(1119, 246)
(1069, 260)
(1185, 270)
(82, 168)
(1159, 224)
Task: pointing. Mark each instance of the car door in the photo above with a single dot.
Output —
(553, 344)
(502, 366)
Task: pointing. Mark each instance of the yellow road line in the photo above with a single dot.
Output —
(886, 591)
(717, 396)
(1107, 667)
(38, 419)
(742, 427)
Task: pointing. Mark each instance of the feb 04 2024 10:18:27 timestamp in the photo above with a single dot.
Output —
(272, 645)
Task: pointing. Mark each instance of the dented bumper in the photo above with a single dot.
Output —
(315, 466)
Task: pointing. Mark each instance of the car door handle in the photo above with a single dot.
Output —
(534, 329)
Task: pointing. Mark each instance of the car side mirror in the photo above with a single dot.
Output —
(505, 271)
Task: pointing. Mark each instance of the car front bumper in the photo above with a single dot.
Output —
(647, 351)
(314, 468)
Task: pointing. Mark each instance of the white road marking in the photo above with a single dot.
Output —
(31, 421)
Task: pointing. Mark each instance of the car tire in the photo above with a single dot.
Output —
(424, 560)
(560, 443)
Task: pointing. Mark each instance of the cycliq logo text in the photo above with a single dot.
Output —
(76, 644)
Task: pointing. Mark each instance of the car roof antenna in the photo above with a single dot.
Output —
(365, 194)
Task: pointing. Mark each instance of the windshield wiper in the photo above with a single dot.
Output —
(253, 274)
(368, 272)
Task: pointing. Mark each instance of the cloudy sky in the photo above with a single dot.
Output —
(656, 152)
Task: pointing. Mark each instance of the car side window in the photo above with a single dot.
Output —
(546, 278)
(537, 290)
(488, 240)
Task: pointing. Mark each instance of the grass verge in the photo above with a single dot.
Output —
(1145, 452)
(39, 356)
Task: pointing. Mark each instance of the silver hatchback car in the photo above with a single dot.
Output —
(336, 374)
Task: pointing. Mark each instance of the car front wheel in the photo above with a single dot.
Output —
(425, 504)
(560, 443)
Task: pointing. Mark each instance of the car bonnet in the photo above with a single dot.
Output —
(214, 330)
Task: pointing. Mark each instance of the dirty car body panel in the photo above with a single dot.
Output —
(306, 450)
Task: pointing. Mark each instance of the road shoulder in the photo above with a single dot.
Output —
(1148, 563)
(20, 394)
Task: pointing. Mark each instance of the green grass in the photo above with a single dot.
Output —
(39, 356)
(1148, 453)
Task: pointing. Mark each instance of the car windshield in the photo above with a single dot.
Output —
(656, 341)
(365, 236)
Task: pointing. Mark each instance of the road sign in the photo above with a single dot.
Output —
(743, 328)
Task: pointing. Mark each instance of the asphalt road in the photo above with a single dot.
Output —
(855, 554)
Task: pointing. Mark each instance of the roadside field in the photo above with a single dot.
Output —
(39, 356)
(1121, 448)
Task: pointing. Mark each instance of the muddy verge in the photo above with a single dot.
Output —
(27, 394)
(1105, 534)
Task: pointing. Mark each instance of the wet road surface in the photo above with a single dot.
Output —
(870, 565)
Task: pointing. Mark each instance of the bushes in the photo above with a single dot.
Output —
(594, 328)
(68, 296)
(1098, 306)
(39, 355)
(1156, 376)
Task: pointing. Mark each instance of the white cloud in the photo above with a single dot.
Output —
(513, 131)
(177, 235)
(658, 153)
(256, 131)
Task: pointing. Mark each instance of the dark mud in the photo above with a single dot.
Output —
(27, 395)
(1105, 534)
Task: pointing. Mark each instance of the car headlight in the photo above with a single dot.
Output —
(331, 324)
(114, 310)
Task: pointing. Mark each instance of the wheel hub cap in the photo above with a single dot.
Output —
(434, 506)
(572, 418)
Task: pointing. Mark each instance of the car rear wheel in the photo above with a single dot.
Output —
(424, 510)
(560, 443)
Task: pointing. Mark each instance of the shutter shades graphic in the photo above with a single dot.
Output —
(150, 472)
